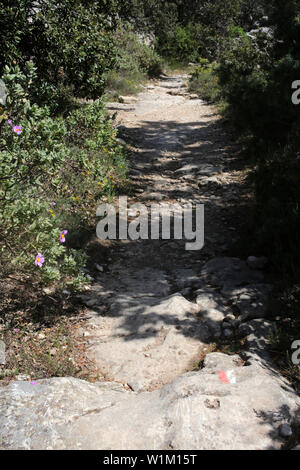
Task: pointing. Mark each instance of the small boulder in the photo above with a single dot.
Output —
(127, 99)
(227, 333)
(99, 268)
(2, 353)
(245, 329)
(285, 430)
(257, 263)
(2, 93)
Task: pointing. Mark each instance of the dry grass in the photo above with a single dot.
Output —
(39, 332)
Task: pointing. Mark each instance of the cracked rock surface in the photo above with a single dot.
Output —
(195, 411)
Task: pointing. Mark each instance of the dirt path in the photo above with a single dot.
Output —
(145, 327)
(155, 309)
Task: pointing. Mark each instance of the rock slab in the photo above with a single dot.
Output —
(196, 411)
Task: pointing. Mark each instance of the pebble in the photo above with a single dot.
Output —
(245, 329)
(22, 377)
(120, 141)
(257, 263)
(285, 430)
(236, 323)
(86, 288)
(245, 297)
(230, 317)
(2, 353)
(212, 404)
(48, 291)
(91, 302)
(99, 268)
(227, 333)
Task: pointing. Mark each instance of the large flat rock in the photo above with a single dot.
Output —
(148, 342)
(196, 411)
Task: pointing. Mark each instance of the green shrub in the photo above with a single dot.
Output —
(71, 44)
(204, 81)
(258, 90)
(51, 172)
(256, 75)
(125, 84)
(277, 217)
(134, 64)
(185, 44)
(149, 61)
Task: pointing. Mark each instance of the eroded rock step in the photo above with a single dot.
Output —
(196, 411)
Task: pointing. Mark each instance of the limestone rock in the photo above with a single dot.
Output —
(153, 196)
(252, 300)
(257, 263)
(258, 339)
(244, 329)
(208, 170)
(227, 333)
(196, 411)
(127, 99)
(229, 273)
(2, 353)
(188, 168)
(117, 106)
(285, 430)
(186, 278)
(2, 93)
(168, 330)
(209, 298)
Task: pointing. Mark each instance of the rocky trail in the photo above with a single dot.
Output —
(155, 310)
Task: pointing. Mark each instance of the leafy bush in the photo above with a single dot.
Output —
(42, 161)
(184, 44)
(189, 29)
(204, 81)
(135, 62)
(256, 74)
(277, 215)
(71, 44)
(258, 89)
(149, 60)
(286, 330)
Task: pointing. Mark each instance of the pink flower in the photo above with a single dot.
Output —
(39, 260)
(62, 237)
(33, 382)
(53, 203)
(9, 121)
(17, 129)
